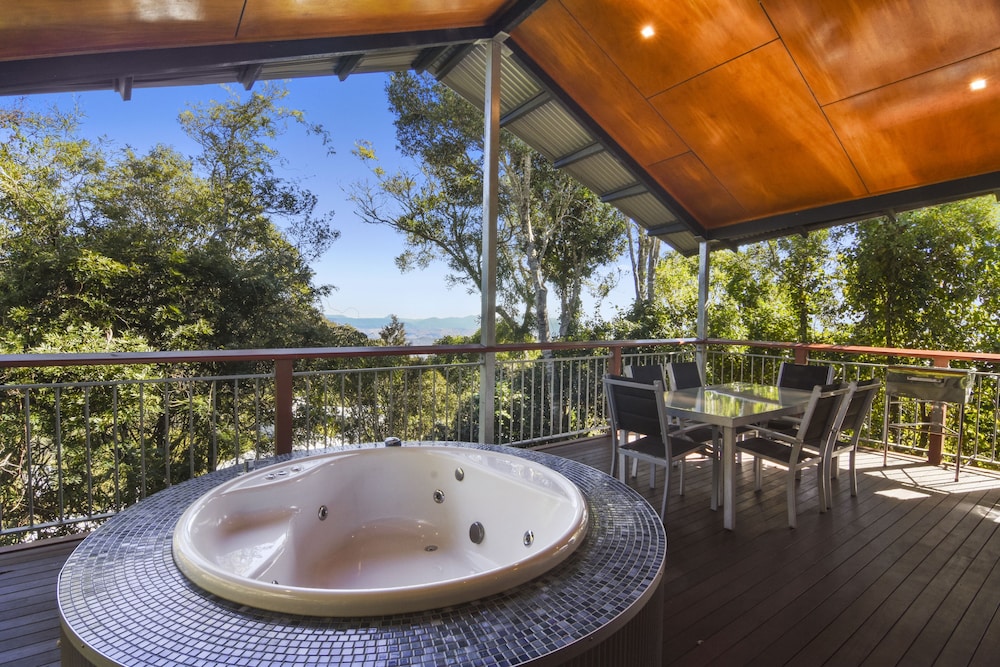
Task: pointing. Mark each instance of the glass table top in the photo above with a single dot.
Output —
(736, 400)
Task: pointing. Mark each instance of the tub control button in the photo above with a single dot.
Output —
(477, 532)
(459, 474)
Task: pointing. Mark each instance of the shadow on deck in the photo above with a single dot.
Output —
(905, 573)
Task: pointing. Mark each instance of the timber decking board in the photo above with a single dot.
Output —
(29, 616)
(899, 618)
(902, 574)
(863, 592)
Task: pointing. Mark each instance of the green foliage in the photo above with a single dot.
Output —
(552, 233)
(925, 279)
(393, 334)
(802, 264)
(182, 252)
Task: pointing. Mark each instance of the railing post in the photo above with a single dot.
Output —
(704, 283)
(616, 361)
(935, 432)
(283, 406)
(801, 355)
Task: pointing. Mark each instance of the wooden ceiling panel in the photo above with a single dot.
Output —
(845, 47)
(42, 28)
(755, 125)
(688, 36)
(929, 128)
(688, 181)
(557, 44)
(296, 19)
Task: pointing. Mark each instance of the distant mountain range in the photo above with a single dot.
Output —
(418, 331)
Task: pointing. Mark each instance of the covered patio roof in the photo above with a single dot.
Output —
(726, 121)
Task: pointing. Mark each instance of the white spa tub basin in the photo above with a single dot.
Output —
(379, 531)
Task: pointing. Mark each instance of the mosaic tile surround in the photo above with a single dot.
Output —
(123, 601)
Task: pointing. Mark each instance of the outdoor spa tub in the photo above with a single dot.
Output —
(124, 601)
(380, 531)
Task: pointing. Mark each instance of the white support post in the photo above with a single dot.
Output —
(702, 326)
(488, 288)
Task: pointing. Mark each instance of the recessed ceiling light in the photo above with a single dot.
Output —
(647, 31)
(977, 84)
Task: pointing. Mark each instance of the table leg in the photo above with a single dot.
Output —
(729, 477)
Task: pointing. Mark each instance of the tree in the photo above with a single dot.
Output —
(393, 334)
(160, 246)
(238, 161)
(551, 232)
(118, 251)
(744, 300)
(801, 265)
(925, 278)
(644, 253)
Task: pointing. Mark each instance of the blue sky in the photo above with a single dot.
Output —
(360, 263)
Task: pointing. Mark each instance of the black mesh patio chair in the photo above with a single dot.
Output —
(803, 376)
(648, 373)
(638, 408)
(684, 375)
(845, 441)
(807, 448)
(799, 376)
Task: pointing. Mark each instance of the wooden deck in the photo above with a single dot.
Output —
(906, 573)
(29, 616)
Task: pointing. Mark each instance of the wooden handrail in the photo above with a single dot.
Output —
(284, 359)
(294, 354)
(930, 355)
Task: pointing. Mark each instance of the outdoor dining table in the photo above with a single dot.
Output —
(730, 407)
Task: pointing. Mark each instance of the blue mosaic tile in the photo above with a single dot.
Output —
(121, 594)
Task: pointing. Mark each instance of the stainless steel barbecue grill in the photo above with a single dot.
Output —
(935, 385)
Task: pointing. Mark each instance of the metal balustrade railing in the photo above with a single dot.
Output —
(421, 402)
(73, 453)
(77, 452)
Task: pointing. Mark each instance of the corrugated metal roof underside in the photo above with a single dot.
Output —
(551, 129)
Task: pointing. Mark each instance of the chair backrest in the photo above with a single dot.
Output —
(635, 406)
(684, 375)
(648, 373)
(858, 409)
(823, 416)
(803, 376)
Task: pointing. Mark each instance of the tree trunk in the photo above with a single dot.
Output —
(644, 252)
(652, 257)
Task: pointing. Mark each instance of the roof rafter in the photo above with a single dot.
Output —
(539, 100)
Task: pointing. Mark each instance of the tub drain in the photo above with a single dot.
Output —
(431, 547)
